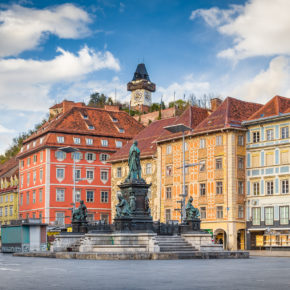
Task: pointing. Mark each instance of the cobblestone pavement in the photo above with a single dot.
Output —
(44, 273)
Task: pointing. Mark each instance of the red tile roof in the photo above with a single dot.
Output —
(146, 140)
(229, 114)
(277, 105)
(9, 168)
(88, 122)
(191, 117)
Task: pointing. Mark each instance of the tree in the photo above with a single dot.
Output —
(180, 104)
(98, 100)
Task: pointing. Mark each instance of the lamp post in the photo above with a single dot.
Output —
(177, 129)
(69, 149)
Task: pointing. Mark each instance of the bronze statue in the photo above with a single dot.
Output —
(147, 205)
(191, 211)
(134, 162)
(122, 208)
(80, 214)
(132, 202)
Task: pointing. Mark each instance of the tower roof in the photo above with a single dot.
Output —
(141, 73)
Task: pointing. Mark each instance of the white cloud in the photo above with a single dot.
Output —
(5, 130)
(23, 28)
(261, 28)
(275, 80)
(187, 87)
(26, 84)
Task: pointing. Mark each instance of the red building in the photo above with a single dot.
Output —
(46, 167)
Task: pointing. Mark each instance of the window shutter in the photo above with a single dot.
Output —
(94, 156)
(81, 155)
(86, 156)
(55, 154)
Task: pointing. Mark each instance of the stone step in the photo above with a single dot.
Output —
(176, 248)
(179, 244)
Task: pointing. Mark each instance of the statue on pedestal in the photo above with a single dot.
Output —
(134, 163)
(191, 211)
(122, 208)
(132, 202)
(80, 214)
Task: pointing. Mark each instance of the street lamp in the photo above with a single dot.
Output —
(177, 129)
(69, 149)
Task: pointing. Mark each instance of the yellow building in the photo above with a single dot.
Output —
(147, 144)
(9, 191)
(217, 184)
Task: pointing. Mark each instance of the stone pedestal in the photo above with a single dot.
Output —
(190, 226)
(123, 224)
(141, 219)
(80, 227)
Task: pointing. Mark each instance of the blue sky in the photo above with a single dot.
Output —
(51, 50)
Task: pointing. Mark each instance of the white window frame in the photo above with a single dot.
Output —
(104, 172)
(90, 174)
(119, 144)
(93, 197)
(148, 168)
(169, 149)
(119, 172)
(284, 215)
(60, 139)
(89, 141)
(269, 187)
(269, 216)
(104, 143)
(240, 140)
(60, 173)
(284, 132)
(256, 136)
(269, 134)
(60, 195)
(60, 218)
(202, 143)
(104, 196)
(284, 186)
(77, 140)
(219, 140)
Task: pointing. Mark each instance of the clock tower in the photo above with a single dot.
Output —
(141, 87)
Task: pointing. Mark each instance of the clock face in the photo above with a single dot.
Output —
(147, 96)
(138, 95)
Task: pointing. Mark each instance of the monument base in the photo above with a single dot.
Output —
(123, 224)
(80, 227)
(190, 226)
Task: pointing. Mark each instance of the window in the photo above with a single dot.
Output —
(104, 157)
(241, 212)
(168, 149)
(121, 130)
(104, 196)
(90, 196)
(59, 218)
(218, 163)
(77, 140)
(77, 156)
(119, 172)
(219, 187)
(21, 180)
(168, 192)
(240, 187)
(256, 137)
(202, 189)
(284, 132)
(169, 170)
(202, 166)
(219, 140)
(285, 186)
(255, 160)
(284, 215)
(41, 140)
(90, 217)
(104, 175)
(34, 158)
(6, 210)
(90, 174)
(6, 198)
(186, 189)
(40, 216)
(89, 156)
(34, 177)
(168, 215)
(241, 140)
(11, 210)
(41, 156)
(269, 216)
(256, 188)
(269, 187)
(284, 156)
(256, 216)
(60, 173)
(269, 134)
(119, 144)
(21, 199)
(60, 155)
(89, 141)
(219, 212)
(1, 211)
(203, 213)
(77, 174)
(60, 195)
(115, 120)
(11, 197)
(40, 175)
(85, 116)
(148, 168)
(27, 197)
(269, 158)
(77, 195)
(241, 162)
(33, 196)
(28, 161)
(60, 139)
(104, 143)
(202, 143)
(91, 127)
(40, 195)
(105, 218)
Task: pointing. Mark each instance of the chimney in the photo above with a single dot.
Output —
(215, 103)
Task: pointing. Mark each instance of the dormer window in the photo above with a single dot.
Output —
(77, 140)
(91, 127)
(41, 140)
(85, 116)
(27, 146)
(89, 141)
(34, 143)
(121, 130)
(60, 139)
(119, 144)
(104, 143)
(114, 120)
